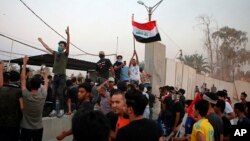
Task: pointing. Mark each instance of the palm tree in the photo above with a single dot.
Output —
(197, 62)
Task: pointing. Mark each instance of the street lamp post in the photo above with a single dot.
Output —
(149, 8)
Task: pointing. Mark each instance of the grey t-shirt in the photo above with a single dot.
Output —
(217, 124)
(105, 104)
(33, 109)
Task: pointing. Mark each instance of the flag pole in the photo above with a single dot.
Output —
(133, 36)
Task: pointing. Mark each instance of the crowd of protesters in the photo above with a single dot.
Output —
(118, 106)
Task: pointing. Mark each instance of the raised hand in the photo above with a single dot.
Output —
(40, 39)
(67, 30)
(25, 59)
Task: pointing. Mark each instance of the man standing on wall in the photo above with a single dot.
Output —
(59, 70)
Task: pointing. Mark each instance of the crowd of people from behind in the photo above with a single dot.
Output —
(118, 106)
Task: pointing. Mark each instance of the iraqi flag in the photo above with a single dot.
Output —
(146, 32)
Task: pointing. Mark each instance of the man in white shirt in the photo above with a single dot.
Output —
(228, 109)
(134, 69)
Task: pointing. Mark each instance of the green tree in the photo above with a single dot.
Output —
(197, 62)
(232, 51)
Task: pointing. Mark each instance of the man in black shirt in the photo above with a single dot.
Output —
(117, 67)
(139, 129)
(219, 109)
(102, 67)
(10, 107)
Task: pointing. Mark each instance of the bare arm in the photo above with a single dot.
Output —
(1, 75)
(45, 45)
(130, 62)
(137, 59)
(112, 71)
(200, 137)
(68, 40)
(23, 74)
(46, 80)
(102, 85)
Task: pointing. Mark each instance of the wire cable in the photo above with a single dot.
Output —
(58, 32)
(23, 43)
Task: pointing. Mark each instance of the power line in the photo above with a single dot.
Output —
(58, 32)
(171, 40)
(12, 53)
(23, 43)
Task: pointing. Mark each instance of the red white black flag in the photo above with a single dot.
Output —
(146, 32)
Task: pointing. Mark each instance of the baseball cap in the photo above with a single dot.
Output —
(111, 79)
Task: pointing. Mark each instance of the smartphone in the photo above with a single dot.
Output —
(124, 62)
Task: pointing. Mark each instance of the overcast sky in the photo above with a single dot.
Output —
(96, 24)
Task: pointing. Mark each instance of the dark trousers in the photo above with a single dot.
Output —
(31, 134)
(59, 85)
(9, 133)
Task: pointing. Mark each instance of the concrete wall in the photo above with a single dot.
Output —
(155, 65)
(183, 76)
(52, 127)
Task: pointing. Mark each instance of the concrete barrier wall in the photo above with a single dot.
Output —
(52, 127)
(170, 72)
(183, 76)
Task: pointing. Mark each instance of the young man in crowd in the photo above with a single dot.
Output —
(243, 97)
(134, 70)
(102, 68)
(72, 96)
(219, 110)
(145, 78)
(84, 92)
(34, 100)
(212, 117)
(240, 113)
(202, 129)
(59, 70)
(10, 105)
(124, 76)
(228, 109)
(117, 67)
(104, 98)
(139, 128)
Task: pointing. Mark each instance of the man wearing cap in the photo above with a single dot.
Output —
(117, 67)
(102, 67)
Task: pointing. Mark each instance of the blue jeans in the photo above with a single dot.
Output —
(59, 85)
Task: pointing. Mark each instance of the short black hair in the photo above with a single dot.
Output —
(14, 76)
(239, 106)
(63, 42)
(149, 88)
(86, 86)
(202, 106)
(90, 126)
(136, 100)
(221, 105)
(119, 56)
(122, 86)
(73, 79)
(188, 102)
(244, 94)
(221, 94)
(182, 91)
(141, 87)
(35, 82)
